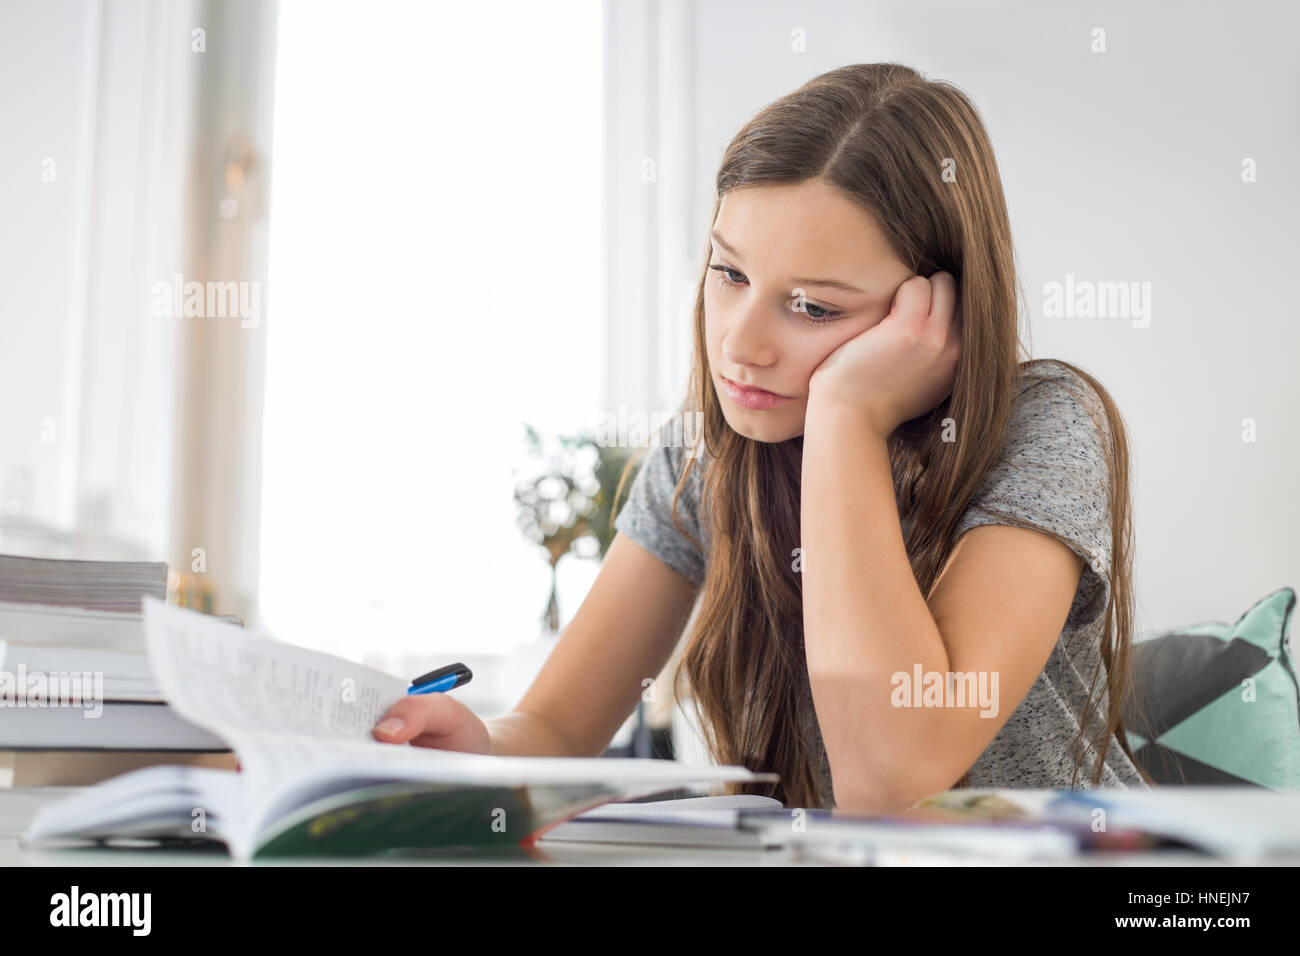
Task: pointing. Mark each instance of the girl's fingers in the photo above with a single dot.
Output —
(418, 714)
(912, 300)
(943, 300)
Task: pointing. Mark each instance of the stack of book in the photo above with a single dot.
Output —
(78, 702)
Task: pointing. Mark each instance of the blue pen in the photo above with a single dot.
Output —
(441, 680)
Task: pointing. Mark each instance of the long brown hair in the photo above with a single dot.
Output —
(882, 134)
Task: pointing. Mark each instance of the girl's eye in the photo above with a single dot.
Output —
(812, 314)
(723, 279)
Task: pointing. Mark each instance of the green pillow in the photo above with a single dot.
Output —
(1219, 703)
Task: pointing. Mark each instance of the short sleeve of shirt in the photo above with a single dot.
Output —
(1053, 474)
(647, 519)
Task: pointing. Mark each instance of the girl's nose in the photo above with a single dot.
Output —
(749, 341)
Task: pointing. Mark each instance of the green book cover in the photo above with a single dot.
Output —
(401, 817)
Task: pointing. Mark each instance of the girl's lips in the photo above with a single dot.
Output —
(754, 398)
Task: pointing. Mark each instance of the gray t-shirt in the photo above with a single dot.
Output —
(1052, 473)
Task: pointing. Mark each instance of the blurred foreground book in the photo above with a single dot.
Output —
(313, 780)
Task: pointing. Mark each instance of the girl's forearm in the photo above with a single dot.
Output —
(525, 734)
(865, 618)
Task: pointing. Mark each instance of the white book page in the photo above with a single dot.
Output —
(224, 678)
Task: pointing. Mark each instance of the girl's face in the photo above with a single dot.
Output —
(769, 243)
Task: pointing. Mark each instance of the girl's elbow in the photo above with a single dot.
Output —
(891, 790)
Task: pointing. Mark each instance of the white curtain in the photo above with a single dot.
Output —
(656, 203)
(130, 434)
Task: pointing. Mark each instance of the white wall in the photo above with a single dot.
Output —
(1118, 166)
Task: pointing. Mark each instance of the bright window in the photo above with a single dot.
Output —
(433, 284)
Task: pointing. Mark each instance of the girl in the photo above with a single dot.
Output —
(911, 551)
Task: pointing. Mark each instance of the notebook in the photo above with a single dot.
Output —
(1228, 821)
(948, 827)
(834, 836)
(692, 821)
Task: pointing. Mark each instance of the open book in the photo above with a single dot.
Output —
(312, 779)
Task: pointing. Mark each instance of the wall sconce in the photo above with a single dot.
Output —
(241, 168)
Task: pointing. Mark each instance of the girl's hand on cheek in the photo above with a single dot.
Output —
(904, 365)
